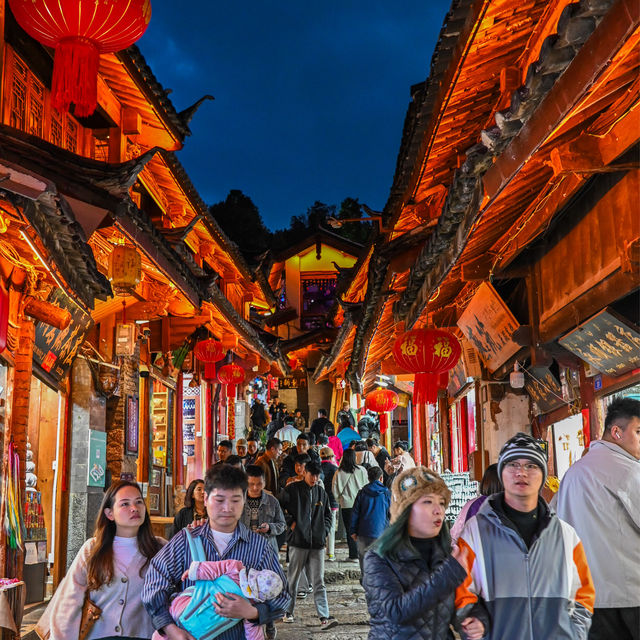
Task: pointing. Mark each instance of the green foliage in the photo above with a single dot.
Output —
(241, 221)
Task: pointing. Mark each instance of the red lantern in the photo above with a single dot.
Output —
(209, 351)
(231, 375)
(427, 353)
(79, 31)
(382, 401)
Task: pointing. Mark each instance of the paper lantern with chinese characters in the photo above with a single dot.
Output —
(382, 401)
(79, 31)
(209, 351)
(430, 354)
(231, 375)
(125, 269)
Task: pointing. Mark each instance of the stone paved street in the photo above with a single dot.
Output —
(346, 603)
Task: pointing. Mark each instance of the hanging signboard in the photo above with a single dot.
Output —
(97, 467)
(607, 341)
(292, 383)
(488, 324)
(544, 389)
(54, 349)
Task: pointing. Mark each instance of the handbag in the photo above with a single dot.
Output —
(90, 613)
(199, 617)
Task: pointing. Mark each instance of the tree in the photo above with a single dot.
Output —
(359, 232)
(241, 221)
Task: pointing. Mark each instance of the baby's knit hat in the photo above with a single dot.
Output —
(411, 485)
(523, 446)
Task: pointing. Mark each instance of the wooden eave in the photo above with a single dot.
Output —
(62, 242)
(594, 124)
(322, 236)
(609, 30)
(168, 182)
(478, 40)
(128, 76)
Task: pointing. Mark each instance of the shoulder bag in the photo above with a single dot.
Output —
(90, 613)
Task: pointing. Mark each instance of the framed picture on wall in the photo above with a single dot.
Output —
(154, 503)
(131, 425)
(156, 478)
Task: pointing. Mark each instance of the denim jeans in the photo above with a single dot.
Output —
(331, 538)
(346, 518)
(313, 561)
(363, 543)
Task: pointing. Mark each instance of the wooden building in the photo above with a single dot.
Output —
(307, 280)
(111, 267)
(513, 222)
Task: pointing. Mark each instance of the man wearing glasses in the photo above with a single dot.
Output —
(527, 564)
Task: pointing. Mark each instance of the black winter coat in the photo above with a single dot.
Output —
(409, 600)
(309, 508)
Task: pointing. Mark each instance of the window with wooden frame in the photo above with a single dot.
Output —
(30, 110)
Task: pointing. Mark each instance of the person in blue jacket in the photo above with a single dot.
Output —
(370, 514)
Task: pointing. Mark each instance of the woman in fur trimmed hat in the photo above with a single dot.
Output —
(411, 571)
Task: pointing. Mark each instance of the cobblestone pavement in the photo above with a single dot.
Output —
(346, 604)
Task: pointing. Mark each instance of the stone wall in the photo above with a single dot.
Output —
(88, 411)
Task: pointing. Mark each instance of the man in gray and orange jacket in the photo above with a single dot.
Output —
(527, 565)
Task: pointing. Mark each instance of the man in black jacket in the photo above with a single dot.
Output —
(288, 469)
(308, 512)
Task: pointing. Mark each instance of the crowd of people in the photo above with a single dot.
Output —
(512, 568)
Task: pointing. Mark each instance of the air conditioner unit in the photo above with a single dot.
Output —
(471, 360)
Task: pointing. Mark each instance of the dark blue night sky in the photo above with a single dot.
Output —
(310, 96)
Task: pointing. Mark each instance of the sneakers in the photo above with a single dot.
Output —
(351, 560)
(331, 558)
(309, 589)
(287, 617)
(301, 595)
(270, 632)
(328, 623)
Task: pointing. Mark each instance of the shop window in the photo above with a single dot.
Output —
(71, 137)
(29, 110)
(318, 295)
(36, 109)
(56, 128)
(18, 113)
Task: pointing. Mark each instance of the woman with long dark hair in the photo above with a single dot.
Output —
(347, 481)
(194, 511)
(411, 572)
(109, 569)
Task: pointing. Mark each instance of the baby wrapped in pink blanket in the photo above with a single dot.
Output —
(255, 585)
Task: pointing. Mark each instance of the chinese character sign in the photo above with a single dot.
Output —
(97, 466)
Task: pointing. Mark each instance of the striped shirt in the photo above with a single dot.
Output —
(167, 567)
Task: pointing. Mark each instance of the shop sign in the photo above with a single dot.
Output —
(97, 467)
(292, 383)
(488, 324)
(568, 441)
(608, 342)
(544, 389)
(54, 349)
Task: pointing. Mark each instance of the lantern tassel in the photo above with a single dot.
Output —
(384, 422)
(209, 371)
(425, 388)
(75, 76)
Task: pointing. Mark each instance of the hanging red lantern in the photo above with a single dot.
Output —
(427, 353)
(231, 375)
(382, 401)
(79, 31)
(209, 351)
